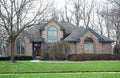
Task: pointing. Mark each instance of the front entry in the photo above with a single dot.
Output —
(36, 50)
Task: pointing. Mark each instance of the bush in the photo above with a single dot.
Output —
(45, 56)
(59, 51)
(16, 58)
(4, 58)
(84, 57)
(23, 58)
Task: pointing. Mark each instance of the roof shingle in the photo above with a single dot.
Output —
(74, 34)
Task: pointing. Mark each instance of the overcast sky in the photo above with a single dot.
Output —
(60, 3)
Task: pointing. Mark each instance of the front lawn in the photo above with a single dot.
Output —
(52, 66)
(62, 76)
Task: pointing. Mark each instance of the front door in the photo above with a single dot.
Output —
(37, 54)
(37, 50)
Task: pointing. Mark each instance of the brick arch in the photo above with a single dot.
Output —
(93, 37)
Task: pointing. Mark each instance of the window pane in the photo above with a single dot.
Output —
(89, 46)
(52, 33)
(52, 28)
(18, 49)
(20, 46)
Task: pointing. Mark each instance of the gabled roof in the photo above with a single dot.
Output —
(74, 36)
(34, 32)
(101, 38)
(79, 32)
(45, 24)
(68, 27)
(27, 34)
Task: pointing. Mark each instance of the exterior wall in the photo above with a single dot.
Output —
(60, 33)
(107, 48)
(28, 46)
(73, 48)
(99, 48)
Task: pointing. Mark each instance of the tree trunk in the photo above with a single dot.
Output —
(12, 59)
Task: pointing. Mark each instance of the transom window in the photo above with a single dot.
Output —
(52, 33)
(89, 45)
(20, 46)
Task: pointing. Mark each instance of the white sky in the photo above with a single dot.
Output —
(59, 3)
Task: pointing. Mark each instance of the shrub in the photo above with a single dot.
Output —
(59, 51)
(46, 55)
(4, 58)
(23, 58)
(16, 58)
(84, 57)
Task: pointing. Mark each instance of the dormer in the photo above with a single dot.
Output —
(52, 32)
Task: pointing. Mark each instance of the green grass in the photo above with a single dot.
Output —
(62, 76)
(29, 67)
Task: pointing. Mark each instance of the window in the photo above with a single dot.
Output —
(20, 46)
(89, 46)
(52, 33)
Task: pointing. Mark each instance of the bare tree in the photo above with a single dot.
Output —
(67, 10)
(3, 42)
(55, 13)
(100, 21)
(105, 14)
(78, 11)
(112, 16)
(82, 12)
(16, 15)
(87, 11)
(65, 14)
(62, 16)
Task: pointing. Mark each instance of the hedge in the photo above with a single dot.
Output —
(59, 51)
(17, 58)
(85, 57)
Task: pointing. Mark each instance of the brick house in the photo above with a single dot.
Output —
(33, 41)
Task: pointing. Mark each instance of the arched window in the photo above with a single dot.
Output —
(52, 33)
(20, 46)
(89, 45)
